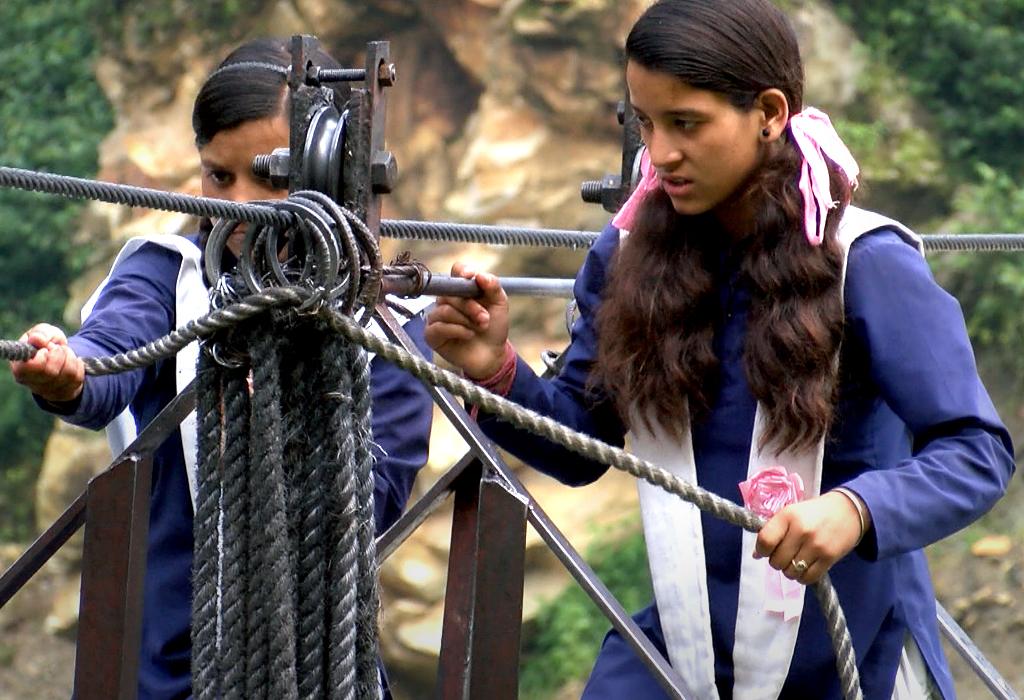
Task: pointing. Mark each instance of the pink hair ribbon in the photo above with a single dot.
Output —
(816, 139)
(649, 181)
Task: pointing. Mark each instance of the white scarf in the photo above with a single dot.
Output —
(765, 642)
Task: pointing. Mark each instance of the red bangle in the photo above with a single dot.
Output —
(500, 382)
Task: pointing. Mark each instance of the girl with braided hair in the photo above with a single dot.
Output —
(743, 326)
(156, 286)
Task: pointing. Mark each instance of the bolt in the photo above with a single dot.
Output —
(590, 191)
(383, 172)
(273, 167)
(387, 74)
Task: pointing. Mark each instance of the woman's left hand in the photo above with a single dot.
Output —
(816, 533)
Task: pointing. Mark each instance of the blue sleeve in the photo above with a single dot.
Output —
(402, 413)
(568, 398)
(136, 307)
(923, 365)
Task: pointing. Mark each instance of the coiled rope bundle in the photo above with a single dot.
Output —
(285, 598)
(284, 591)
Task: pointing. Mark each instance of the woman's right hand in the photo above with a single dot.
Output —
(471, 333)
(55, 373)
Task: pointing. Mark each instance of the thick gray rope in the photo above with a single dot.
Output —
(529, 420)
(343, 587)
(169, 345)
(204, 327)
(205, 566)
(236, 574)
(598, 451)
(16, 350)
(278, 578)
(257, 604)
(368, 598)
(308, 441)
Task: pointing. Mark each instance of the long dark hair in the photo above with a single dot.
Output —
(256, 89)
(658, 318)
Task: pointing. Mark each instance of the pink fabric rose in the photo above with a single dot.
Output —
(766, 493)
(771, 490)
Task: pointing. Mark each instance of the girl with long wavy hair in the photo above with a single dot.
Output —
(753, 332)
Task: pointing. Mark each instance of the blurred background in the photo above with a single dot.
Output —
(502, 108)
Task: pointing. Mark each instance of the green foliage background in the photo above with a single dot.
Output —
(963, 61)
(52, 117)
(564, 642)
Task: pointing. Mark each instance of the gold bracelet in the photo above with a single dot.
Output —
(859, 506)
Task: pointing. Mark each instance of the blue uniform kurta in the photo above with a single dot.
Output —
(916, 436)
(136, 308)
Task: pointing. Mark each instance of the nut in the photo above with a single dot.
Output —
(383, 172)
(387, 74)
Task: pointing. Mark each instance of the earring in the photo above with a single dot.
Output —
(766, 132)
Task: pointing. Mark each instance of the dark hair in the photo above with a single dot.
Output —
(256, 89)
(658, 318)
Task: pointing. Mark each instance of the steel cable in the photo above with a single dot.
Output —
(114, 193)
(555, 238)
(490, 235)
(973, 242)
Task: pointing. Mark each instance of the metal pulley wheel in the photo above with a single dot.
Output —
(323, 155)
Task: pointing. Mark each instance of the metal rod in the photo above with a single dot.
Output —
(445, 285)
(340, 75)
(965, 646)
(46, 545)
